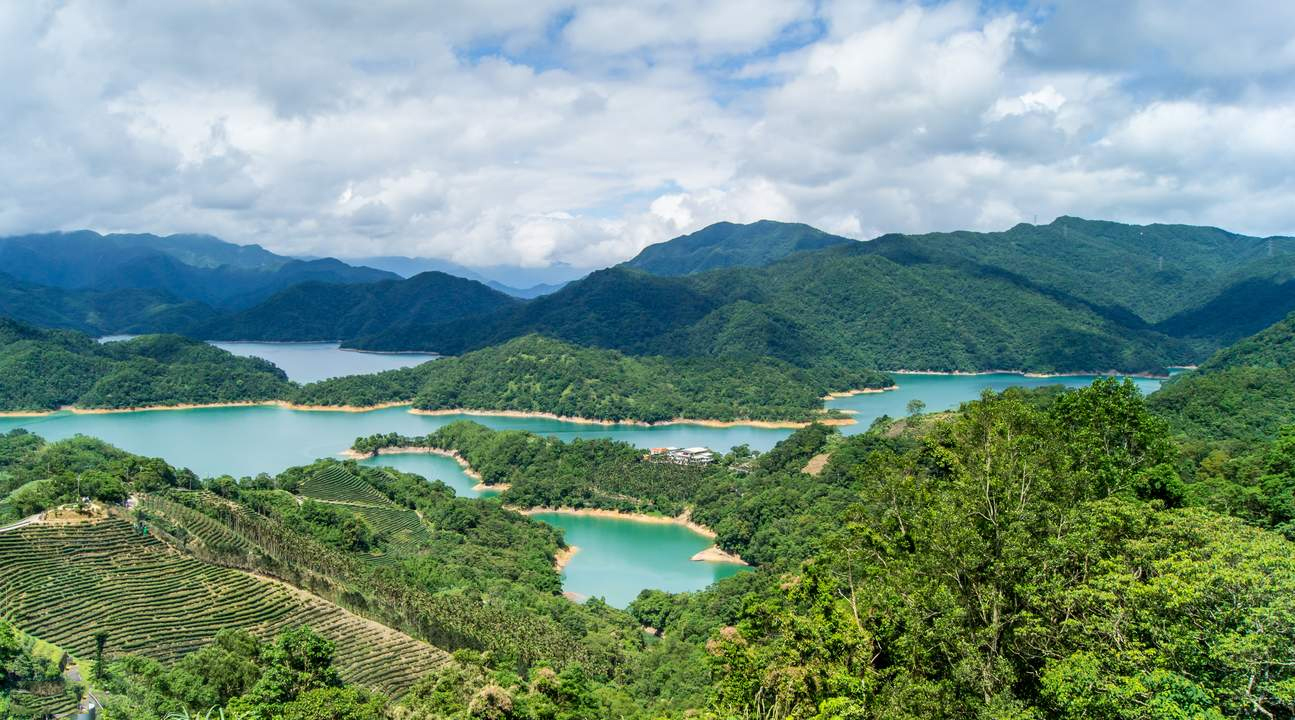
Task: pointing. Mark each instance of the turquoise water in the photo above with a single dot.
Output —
(309, 362)
(617, 558)
(947, 392)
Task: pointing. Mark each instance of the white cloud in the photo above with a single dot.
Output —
(552, 130)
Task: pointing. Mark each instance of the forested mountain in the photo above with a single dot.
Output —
(48, 369)
(537, 374)
(1243, 392)
(840, 305)
(1153, 271)
(725, 245)
(100, 312)
(1074, 295)
(326, 311)
(188, 267)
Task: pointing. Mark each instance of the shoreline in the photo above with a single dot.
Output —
(860, 391)
(536, 415)
(352, 454)
(683, 519)
(284, 404)
(1030, 374)
(714, 554)
(563, 558)
(338, 343)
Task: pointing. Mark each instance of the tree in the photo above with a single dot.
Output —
(299, 661)
(98, 670)
(915, 407)
(10, 647)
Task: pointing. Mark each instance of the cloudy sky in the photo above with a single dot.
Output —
(537, 131)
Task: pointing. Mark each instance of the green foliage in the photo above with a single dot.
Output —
(1245, 392)
(48, 369)
(537, 374)
(1002, 570)
(37, 476)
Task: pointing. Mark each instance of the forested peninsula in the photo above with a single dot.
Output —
(45, 370)
(534, 374)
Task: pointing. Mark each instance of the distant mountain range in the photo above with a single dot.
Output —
(1069, 296)
(1073, 295)
(522, 282)
(187, 267)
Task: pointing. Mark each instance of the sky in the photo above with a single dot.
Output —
(535, 132)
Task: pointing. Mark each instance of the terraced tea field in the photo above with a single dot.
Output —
(401, 528)
(64, 583)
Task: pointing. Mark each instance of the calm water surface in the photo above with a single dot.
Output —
(309, 362)
(617, 559)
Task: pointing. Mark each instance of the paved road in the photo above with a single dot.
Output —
(21, 523)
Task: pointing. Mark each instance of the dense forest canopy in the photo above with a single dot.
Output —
(1073, 295)
(537, 374)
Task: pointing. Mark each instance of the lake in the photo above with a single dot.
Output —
(307, 362)
(617, 558)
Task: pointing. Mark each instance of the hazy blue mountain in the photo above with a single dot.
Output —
(725, 245)
(328, 311)
(188, 267)
(522, 282)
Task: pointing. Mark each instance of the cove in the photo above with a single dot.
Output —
(617, 558)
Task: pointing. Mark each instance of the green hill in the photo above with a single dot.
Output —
(537, 374)
(47, 369)
(725, 245)
(1244, 392)
(1073, 295)
(100, 312)
(1153, 271)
